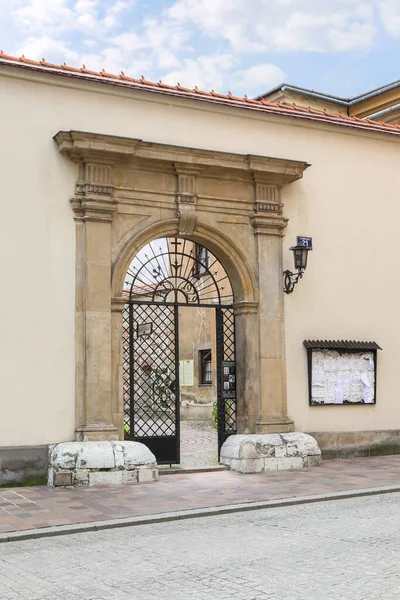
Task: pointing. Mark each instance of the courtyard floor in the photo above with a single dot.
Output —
(199, 445)
(24, 509)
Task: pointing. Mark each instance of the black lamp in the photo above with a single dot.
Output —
(300, 256)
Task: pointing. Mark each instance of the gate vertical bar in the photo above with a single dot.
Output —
(131, 375)
(177, 388)
(220, 383)
(226, 374)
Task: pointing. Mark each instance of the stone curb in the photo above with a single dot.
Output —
(190, 514)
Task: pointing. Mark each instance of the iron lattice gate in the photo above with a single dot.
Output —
(226, 374)
(167, 274)
(151, 379)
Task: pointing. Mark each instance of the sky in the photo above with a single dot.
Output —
(341, 47)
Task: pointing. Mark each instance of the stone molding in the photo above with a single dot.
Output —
(94, 147)
(245, 308)
(118, 304)
(268, 223)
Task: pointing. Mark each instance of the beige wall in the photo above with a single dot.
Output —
(348, 202)
(197, 332)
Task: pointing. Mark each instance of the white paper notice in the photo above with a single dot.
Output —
(329, 365)
(368, 396)
(317, 392)
(366, 379)
(318, 378)
(338, 396)
(342, 382)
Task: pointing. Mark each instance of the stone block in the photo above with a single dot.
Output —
(290, 462)
(146, 475)
(251, 465)
(135, 454)
(232, 446)
(249, 451)
(102, 463)
(254, 453)
(119, 455)
(300, 444)
(270, 464)
(281, 451)
(62, 478)
(312, 461)
(130, 477)
(81, 479)
(105, 478)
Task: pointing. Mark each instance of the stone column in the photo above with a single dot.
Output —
(94, 209)
(117, 359)
(269, 225)
(247, 366)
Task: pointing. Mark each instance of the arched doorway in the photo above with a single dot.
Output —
(165, 278)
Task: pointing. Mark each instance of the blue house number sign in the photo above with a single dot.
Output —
(306, 242)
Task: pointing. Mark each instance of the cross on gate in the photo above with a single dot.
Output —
(176, 244)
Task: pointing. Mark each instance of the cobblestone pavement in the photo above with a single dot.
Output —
(342, 550)
(199, 445)
(29, 508)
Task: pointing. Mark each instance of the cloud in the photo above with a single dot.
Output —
(204, 71)
(260, 78)
(281, 25)
(61, 16)
(40, 14)
(215, 71)
(45, 46)
(390, 15)
(236, 44)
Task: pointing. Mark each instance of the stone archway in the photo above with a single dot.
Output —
(129, 192)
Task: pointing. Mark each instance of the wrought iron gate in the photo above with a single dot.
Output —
(154, 379)
(159, 282)
(226, 374)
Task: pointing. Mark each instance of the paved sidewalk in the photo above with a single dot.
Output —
(24, 509)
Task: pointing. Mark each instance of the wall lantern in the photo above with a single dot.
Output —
(300, 256)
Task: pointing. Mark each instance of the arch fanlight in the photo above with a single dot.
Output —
(177, 271)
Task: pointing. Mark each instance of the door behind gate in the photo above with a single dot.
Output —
(154, 379)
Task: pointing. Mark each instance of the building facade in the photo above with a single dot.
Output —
(96, 166)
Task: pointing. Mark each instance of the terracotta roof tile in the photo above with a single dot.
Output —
(29, 61)
(262, 105)
(68, 68)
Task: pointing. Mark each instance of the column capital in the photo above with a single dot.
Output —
(267, 222)
(118, 304)
(93, 200)
(245, 308)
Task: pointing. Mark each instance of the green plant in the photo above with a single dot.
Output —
(215, 415)
(127, 429)
(228, 404)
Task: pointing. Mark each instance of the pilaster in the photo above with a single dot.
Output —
(269, 225)
(94, 209)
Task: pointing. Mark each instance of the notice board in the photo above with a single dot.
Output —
(186, 373)
(341, 372)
